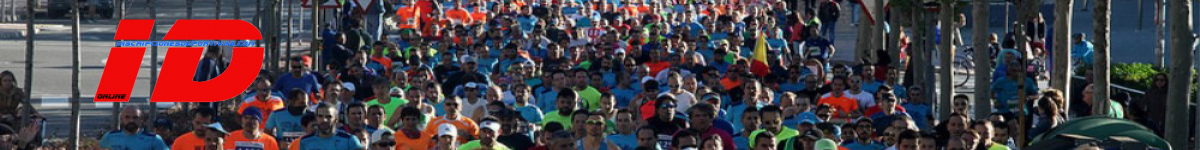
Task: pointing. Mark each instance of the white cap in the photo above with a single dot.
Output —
(348, 86)
(447, 129)
(471, 85)
(382, 135)
(647, 78)
(466, 58)
(490, 125)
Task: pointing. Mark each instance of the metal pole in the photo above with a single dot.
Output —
(29, 34)
(1140, 16)
(1177, 101)
(289, 31)
(153, 62)
(218, 9)
(1160, 29)
(74, 76)
(947, 48)
(237, 10)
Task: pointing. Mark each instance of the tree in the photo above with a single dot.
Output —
(1181, 57)
(1103, 15)
(983, 69)
(947, 13)
(1060, 77)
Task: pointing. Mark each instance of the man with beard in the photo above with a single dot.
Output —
(131, 136)
(566, 102)
(772, 121)
(299, 78)
(195, 140)
(327, 137)
(521, 103)
(285, 124)
(489, 129)
(263, 100)
(250, 136)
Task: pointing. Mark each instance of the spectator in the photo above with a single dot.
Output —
(1115, 109)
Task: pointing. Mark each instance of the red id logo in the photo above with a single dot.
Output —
(175, 81)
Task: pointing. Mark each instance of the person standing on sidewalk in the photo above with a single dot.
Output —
(829, 12)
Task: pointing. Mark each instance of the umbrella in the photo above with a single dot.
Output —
(1103, 128)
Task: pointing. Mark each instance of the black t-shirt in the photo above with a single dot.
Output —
(516, 141)
(666, 128)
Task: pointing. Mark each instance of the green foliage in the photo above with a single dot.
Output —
(1133, 75)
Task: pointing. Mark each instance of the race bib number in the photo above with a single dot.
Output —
(248, 145)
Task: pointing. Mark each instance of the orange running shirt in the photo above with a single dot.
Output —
(237, 141)
(188, 141)
(463, 124)
(844, 104)
(266, 106)
(422, 142)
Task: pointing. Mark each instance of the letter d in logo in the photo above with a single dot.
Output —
(175, 83)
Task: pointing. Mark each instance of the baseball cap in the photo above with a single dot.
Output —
(348, 86)
(619, 51)
(825, 144)
(383, 136)
(471, 85)
(491, 125)
(813, 134)
(466, 58)
(216, 127)
(447, 129)
(252, 111)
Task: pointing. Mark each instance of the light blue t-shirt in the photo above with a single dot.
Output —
(741, 142)
(531, 114)
(119, 140)
(1006, 89)
(920, 113)
(547, 101)
(339, 141)
(624, 141)
(287, 127)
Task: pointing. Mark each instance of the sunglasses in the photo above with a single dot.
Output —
(667, 105)
(594, 122)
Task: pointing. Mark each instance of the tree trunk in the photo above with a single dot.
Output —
(948, 13)
(289, 31)
(1061, 76)
(1181, 63)
(74, 139)
(1100, 100)
(983, 65)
